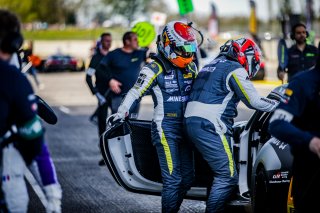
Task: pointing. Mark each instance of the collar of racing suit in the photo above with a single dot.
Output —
(163, 62)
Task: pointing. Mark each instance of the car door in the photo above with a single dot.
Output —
(271, 171)
(132, 160)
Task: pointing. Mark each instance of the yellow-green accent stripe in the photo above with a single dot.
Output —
(167, 152)
(191, 68)
(152, 79)
(195, 72)
(310, 54)
(282, 54)
(241, 87)
(229, 154)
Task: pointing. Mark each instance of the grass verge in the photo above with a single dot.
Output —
(70, 34)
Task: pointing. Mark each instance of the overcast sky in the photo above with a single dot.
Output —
(242, 7)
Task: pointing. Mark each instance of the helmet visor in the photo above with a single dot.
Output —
(186, 50)
(254, 62)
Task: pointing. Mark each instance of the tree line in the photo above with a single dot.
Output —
(64, 11)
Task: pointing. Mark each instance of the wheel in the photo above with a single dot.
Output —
(268, 198)
(259, 197)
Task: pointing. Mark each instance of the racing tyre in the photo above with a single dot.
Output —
(266, 198)
(259, 197)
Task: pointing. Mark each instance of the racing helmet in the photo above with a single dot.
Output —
(246, 52)
(177, 43)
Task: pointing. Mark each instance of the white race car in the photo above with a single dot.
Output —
(263, 163)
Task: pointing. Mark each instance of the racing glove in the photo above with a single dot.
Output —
(115, 118)
(275, 105)
(101, 99)
(53, 194)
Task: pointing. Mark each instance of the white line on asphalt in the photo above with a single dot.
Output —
(64, 109)
(78, 158)
(36, 188)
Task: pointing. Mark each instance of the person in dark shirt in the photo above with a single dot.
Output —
(21, 132)
(102, 50)
(101, 87)
(297, 122)
(301, 56)
(35, 61)
(121, 68)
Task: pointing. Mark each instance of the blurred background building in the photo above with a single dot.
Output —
(73, 26)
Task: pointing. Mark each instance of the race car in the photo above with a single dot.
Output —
(263, 163)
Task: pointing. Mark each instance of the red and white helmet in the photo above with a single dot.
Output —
(178, 43)
(246, 52)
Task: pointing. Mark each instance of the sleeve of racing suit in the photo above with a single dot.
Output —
(89, 73)
(144, 84)
(293, 104)
(29, 127)
(243, 87)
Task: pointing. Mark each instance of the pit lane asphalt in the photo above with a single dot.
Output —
(73, 144)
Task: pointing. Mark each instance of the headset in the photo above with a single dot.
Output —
(293, 29)
(11, 42)
(199, 32)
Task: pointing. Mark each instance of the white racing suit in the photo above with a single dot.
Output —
(13, 183)
(44, 172)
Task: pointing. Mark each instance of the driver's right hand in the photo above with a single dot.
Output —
(115, 118)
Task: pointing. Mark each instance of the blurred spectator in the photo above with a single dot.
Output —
(122, 67)
(29, 59)
(101, 88)
(301, 56)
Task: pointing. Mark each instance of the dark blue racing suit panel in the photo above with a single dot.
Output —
(218, 89)
(298, 112)
(209, 118)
